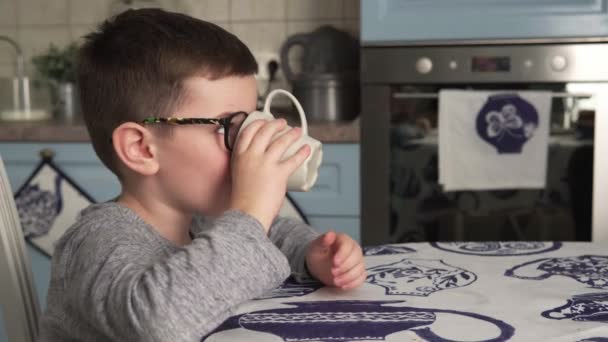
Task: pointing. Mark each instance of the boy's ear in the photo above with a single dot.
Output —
(136, 148)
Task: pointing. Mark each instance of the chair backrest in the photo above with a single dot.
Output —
(18, 298)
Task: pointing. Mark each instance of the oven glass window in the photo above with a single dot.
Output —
(421, 208)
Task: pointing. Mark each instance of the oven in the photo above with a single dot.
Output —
(402, 198)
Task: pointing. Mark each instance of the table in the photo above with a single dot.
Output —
(452, 291)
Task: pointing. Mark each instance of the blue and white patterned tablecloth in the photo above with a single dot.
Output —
(456, 291)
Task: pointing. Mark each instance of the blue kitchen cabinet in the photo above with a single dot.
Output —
(333, 203)
(386, 21)
(334, 197)
(78, 160)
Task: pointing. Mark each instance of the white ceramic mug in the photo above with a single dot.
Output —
(306, 175)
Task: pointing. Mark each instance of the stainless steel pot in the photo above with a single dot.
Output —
(328, 97)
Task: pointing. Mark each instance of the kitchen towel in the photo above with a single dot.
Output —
(493, 140)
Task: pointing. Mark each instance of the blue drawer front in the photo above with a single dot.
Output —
(336, 192)
(412, 20)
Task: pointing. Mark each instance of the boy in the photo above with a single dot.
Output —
(194, 231)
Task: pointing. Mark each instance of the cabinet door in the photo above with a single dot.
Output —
(411, 20)
(348, 225)
(336, 192)
(77, 160)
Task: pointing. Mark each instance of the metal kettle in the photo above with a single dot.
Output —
(328, 84)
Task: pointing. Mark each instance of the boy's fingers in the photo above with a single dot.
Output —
(262, 139)
(351, 261)
(278, 147)
(351, 275)
(293, 162)
(356, 281)
(354, 284)
(345, 248)
(246, 136)
(328, 239)
(323, 242)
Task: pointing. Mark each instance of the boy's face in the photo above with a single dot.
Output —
(194, 162)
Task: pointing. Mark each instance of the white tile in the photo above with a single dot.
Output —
(37, 39)
(118, 6)
(278, 83)
(308, 26)
(77, 32)
(89, 11)
(43, 12)
(7, 52)
(314, 9)
(257, 9)
(225, 25)
(261, 37)
(8, 13)
(210, 10)
(352, 9)
(6, 72)
(167, 5)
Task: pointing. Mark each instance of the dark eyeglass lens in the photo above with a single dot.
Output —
(235, 125)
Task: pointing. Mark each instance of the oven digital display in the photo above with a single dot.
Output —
(491, 64)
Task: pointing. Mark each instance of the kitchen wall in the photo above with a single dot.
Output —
(262, 24)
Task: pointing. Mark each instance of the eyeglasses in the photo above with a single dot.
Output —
(231, 124)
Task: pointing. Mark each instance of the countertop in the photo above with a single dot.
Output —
(56, 131)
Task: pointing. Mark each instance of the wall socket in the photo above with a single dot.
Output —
(263, 58)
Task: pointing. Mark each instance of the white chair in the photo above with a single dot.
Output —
(18, 298)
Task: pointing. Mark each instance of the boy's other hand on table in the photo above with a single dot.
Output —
(336, 260)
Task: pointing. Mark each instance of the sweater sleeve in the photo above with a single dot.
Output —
(180, 296)
(292, 237)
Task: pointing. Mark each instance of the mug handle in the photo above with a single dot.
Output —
(295, 101)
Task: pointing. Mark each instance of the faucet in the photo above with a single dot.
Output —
(21, 90)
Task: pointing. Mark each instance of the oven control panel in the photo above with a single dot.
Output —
(490, 63)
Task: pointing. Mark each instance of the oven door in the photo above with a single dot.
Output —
(422, 210)
(403, 200)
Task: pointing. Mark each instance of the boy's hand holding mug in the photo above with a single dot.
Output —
(259, 175)
(269, 159)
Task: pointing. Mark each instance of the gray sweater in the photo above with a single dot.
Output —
(114, 278)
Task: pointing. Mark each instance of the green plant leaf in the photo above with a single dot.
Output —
(57, 64)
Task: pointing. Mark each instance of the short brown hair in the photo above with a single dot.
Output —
(134, 66)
